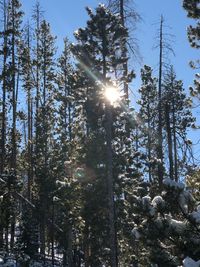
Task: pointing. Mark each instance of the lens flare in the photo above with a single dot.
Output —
(112, 94)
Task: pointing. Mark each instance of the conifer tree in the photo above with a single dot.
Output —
(101, 28)
(167, 226)
(28, 84)
(43, 168)
(148, 119)
(12, 27)
(178, 119)
(66, 184)
(98, 54)
(3, 118)
(192, 8)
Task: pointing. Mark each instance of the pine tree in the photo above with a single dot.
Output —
(37, 18)
(101, 28)
(28, 84)
(68, 201)
(192, 8)
(148, 119)
(3, 114)
(178, 119)
(107, 146)
(167, 225)
(11, 72)
(45, 123)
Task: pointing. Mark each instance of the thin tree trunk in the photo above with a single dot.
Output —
(149, 143)
(42, 234)
(3, 129)
(125, 65)
(69, 248)
(3, 126)
(169, 141)
(29, 100)
(24, 128)
(37, 70)
(160, 137)
(175, 145)
(87, 246)
(53, 234)
(124, 52)
(137, 142)
(14, 103)
(42, 200)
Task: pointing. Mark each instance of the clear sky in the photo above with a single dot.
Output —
(65, 16)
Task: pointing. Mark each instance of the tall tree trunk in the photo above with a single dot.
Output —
(124, 52)
(45, 170)
(149, 143)
(14, 104)
(112, 225)
(3, 118)
(37, 18)
(29, 100)
(111, 205)
(4, 75)
(175, 144)
(13, 159)
(125, 64)
(160, 136)
(169, 140)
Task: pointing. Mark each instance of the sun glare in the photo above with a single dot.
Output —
(112, 94)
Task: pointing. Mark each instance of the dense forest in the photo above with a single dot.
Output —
(86, 178)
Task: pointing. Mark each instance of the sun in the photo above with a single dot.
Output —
(112, 94)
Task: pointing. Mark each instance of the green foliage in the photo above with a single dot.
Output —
(69, 147)
(193, 11)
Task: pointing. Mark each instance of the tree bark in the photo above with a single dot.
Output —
(160, 137)
(169, 141)
(175, 145)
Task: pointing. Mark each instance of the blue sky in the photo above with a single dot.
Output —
(65, 16)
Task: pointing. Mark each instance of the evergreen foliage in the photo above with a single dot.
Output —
(79, 172)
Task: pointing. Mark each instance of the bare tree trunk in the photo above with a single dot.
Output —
(29, 100)
(14, 103)
(124, 52)
(160, 137)
(37, 19)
